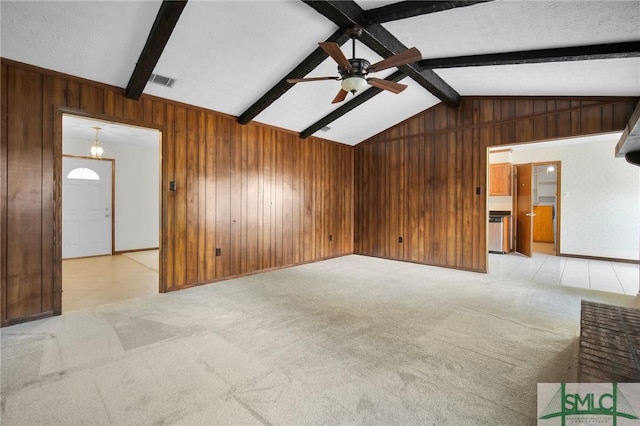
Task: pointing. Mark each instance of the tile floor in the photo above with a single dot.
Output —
(107, 279)
(95, 281)
(615, 277)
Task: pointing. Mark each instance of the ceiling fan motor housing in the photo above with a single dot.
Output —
(359, 68)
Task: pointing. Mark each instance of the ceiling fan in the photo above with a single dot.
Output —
(353, 71)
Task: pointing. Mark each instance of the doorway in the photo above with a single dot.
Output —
(531, 199)
(126, 218)
(537, 208)
(545, 189)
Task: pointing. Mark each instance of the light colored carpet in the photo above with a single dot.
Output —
(353, 340)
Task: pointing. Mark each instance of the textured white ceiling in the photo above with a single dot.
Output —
(225, 55)
(82, 128)
(513, 25)
(96, 40)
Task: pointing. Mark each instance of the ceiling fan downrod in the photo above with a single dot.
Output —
(354, 31)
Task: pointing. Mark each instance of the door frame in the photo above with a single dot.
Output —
(113, 196)
(59, 112)
(507, 147)
(558, 165)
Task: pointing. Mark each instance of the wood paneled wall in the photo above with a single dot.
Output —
(425, 180)
(263, 196)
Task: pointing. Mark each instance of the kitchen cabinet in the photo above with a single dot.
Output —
(500, 179)
(543, 224)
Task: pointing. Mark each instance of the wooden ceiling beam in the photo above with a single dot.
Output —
(408, 9)
(564, 54)
(381, 41)
(347, 13)
(307, 65)
(345, 108)
(342, 13)
(163, 26)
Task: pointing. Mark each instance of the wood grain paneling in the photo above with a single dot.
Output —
(24, 193)
(265, 197)
(4, 89)
(54, 90)
(431, 196)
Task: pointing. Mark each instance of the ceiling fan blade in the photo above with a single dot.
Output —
(402, 58)
(391, 86)
(303, 80)
(333, 50)
(342, 94)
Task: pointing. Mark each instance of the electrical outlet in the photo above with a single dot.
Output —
(330, 237)
(400, 240)
(218, 251)
(477, 190)
(172, 185)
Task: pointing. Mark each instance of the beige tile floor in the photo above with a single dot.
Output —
(545, 267)
(100, 280)
(106, 279)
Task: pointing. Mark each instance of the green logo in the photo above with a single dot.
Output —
(589, 403)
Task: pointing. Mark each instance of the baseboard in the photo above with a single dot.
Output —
(27, 318)
(606, 259)
(134, 250)
(417, 262)
(249, 273)
(87, 257)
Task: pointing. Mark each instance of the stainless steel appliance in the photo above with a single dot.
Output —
(496, 234)
(499, 231)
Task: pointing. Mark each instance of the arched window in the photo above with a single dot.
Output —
(83, 173)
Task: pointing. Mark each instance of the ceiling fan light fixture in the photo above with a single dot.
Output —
(353, 84)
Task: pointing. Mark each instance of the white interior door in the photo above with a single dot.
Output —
(86, 207)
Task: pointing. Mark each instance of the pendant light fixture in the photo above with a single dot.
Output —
(96, 147)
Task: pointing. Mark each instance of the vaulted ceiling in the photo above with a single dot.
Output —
(234, 56)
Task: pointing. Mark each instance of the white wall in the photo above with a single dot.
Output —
(600, 199)
(137, 187)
